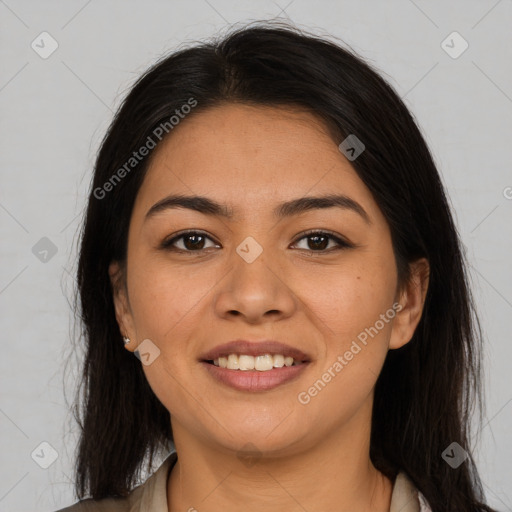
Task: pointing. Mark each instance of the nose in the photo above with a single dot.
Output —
(255, 291)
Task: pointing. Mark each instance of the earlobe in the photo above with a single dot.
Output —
(412, 299)
(119, 295)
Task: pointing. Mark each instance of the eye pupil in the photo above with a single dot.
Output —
(316, 238)
(193, 245)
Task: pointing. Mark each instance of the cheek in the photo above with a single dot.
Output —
(164, 298)
(345, 300)
(356, 343)
(165, 303)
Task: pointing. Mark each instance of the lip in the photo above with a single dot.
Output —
(254, 348)
(254, 380)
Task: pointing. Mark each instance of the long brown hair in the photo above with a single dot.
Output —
(425, 394)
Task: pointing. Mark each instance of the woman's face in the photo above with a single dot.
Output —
(255, 276)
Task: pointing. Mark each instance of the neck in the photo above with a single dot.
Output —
(334, 474)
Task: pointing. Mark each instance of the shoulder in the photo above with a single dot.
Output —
(149, 496)
(104, 505)
(128, 504)
(406, 497)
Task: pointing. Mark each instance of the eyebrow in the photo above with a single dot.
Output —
(208, 206)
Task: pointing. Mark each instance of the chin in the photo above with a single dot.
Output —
(262, 442)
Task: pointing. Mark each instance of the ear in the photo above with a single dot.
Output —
(121, 303)
(411, 300)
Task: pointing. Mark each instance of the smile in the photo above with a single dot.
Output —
(260, 373)
(261, 363)
(254, 365)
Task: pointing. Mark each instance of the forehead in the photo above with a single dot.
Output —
(249, 156)
(233, 130)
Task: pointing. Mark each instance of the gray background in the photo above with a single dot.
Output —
(54, 112)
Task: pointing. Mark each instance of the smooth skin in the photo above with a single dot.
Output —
(312, 457)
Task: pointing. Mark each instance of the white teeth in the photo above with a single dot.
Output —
(246, 362)
(278, 361)
(260, 363)
(233, 362)
(264, 363)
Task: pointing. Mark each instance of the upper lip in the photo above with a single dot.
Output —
(254, 348)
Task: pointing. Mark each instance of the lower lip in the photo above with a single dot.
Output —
(254, 380)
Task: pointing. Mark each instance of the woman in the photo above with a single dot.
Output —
(268, 235)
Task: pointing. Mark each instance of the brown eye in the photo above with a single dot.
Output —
(318, 241)
(191, 241)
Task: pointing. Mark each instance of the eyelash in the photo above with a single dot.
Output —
(342, 244)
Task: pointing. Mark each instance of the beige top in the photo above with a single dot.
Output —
(151, 496)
